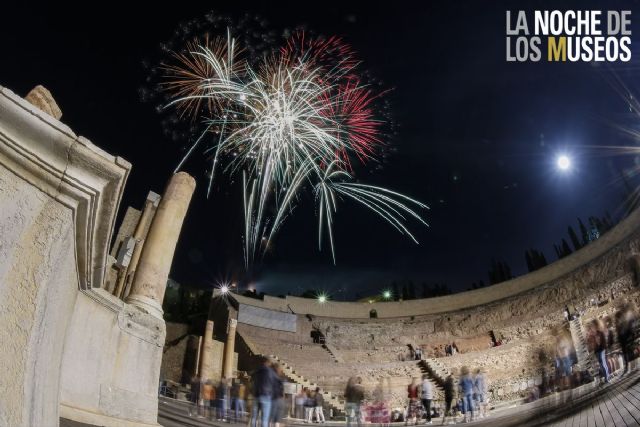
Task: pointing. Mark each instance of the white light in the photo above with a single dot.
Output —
(224, 289)
(563, 162)
(322, 298)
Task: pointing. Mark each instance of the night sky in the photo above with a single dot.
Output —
(477, 137)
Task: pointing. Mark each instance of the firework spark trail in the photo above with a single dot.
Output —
(291, 122)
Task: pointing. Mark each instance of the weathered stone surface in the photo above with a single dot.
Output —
(41, 98)
(173, 357)
(150, 280)
(67, 343)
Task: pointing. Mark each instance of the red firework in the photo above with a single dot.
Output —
(332, 54)
(349, 103)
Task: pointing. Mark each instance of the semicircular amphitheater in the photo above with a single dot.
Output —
(514, 332)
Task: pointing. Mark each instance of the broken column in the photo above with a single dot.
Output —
(227, 371)
(127, 272)
(205, 368)
(150, 280)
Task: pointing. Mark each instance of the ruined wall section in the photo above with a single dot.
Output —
(69, 347)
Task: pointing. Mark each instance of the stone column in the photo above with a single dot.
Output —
(126, 274)
(196, 368)
(227, 370)
(206, 353)
(150, 280)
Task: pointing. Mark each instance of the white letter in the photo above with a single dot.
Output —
(613, 22)
(542, 22)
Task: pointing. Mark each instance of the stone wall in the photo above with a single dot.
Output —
(175, 351)
(594, 264)
(113, 362)
(69, 347)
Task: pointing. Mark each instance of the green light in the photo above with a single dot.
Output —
(386, 294)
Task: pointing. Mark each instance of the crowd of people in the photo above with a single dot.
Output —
(218, 401)
(611, 340)
(227, 401)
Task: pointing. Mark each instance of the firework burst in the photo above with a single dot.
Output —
(292, 121)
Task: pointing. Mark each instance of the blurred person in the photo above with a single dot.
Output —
(277, 398)
(564, 363)
(222, 395)
(299, 403)
(380, 408)
(480, 392)
(466, 391)
(263, 384)
(414, 402)
(195, 394)
(354, 395)
(208, 398)
(600, 347)
(319, 410)
(426, 395)
(309, 404)
(626, 319)
(449, 391)
(239, 395)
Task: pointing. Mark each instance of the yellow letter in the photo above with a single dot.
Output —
(557, 50)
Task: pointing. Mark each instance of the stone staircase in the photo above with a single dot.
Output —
(585, 360)
(333, 352)
(329, 398)
(436, 373)
(436, 370)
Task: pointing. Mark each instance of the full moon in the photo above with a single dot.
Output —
(563, 162)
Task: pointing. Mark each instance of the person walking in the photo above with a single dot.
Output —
(600, 347)
(426, 395)
(277, 402)
(299, 403)
(222, 395)
(319, 410)
(309, 404)
(354, 395)
(195, 394)
(263, 384)
(466, 388)
(412, 409)
(480, 392)
(239, 393)
(208, 395)
(449, 390)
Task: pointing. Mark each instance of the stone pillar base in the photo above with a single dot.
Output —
(147, 304)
